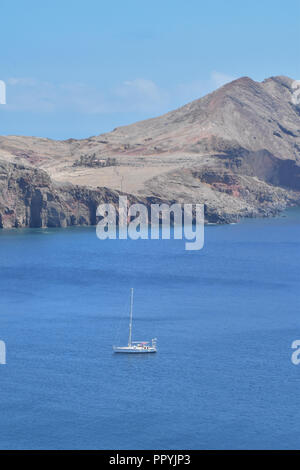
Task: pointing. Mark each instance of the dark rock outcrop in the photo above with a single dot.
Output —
(28, 198)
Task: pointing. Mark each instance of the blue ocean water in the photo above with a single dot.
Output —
(225, 318)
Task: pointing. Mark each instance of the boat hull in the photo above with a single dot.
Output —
(128, 350)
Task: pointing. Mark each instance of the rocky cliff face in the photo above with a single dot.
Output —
(237, 150)
(28, 198)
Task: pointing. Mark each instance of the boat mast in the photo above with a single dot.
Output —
(130, 319)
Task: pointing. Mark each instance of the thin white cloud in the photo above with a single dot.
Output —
(27, 94)
(141, 95)
(186, 92)
(40, 96)
(136, 95)
(219, 79)
(140, 85)
(22, 81)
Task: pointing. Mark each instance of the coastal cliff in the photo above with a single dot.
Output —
(28, 198)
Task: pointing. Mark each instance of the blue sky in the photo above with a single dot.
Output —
(80, 68)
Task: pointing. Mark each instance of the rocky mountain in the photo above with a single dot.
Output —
(237, 150)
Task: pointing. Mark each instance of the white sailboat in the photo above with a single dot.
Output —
(135, 346)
